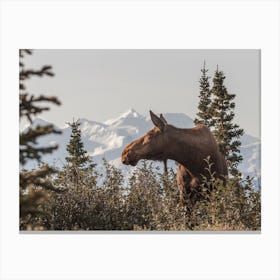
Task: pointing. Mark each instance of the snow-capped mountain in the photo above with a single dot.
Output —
(107, 140)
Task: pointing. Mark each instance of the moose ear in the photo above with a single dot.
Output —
(157, 121)
(163, 119)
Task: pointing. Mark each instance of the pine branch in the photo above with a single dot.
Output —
(28, 108)
(45, 70)
(28, 141)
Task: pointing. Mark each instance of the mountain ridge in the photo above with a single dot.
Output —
(107, 140)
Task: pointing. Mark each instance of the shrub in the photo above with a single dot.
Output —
(150, 201)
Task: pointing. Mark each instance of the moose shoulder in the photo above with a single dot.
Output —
(188, 147)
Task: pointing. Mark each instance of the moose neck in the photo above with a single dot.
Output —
(183, 146)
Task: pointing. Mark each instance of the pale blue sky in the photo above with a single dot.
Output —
(102, 84)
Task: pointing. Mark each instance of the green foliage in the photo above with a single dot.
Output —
(216, 111)
(234, 206)
(28, 140)
(79, 168)
(225, 131)
(150, 201)
(111, 205)
(87, 207)
(169, 214)
(78, 156)
(204, 114)
(34, 184)
(144, 201)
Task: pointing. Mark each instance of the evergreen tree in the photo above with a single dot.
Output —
(79, 167)
(225, 131)
(33, 183)
(204, 114)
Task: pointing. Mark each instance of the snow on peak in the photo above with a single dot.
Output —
(129, 114)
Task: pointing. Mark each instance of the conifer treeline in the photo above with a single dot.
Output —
(216, 110)
(76, 197)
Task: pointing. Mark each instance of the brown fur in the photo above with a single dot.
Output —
(186, 182)
(188, 147)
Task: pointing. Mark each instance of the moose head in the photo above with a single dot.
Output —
(150, 146)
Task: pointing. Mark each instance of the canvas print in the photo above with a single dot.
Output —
(134, 140)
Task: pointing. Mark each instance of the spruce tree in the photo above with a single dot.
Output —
(33, 183)
(204, 114)
(226, 132)
(79, 166)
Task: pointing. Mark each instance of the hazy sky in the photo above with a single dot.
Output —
(102, 84)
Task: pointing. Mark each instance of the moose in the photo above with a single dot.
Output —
(189, 147)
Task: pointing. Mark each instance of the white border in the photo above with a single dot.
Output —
(155, 24)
